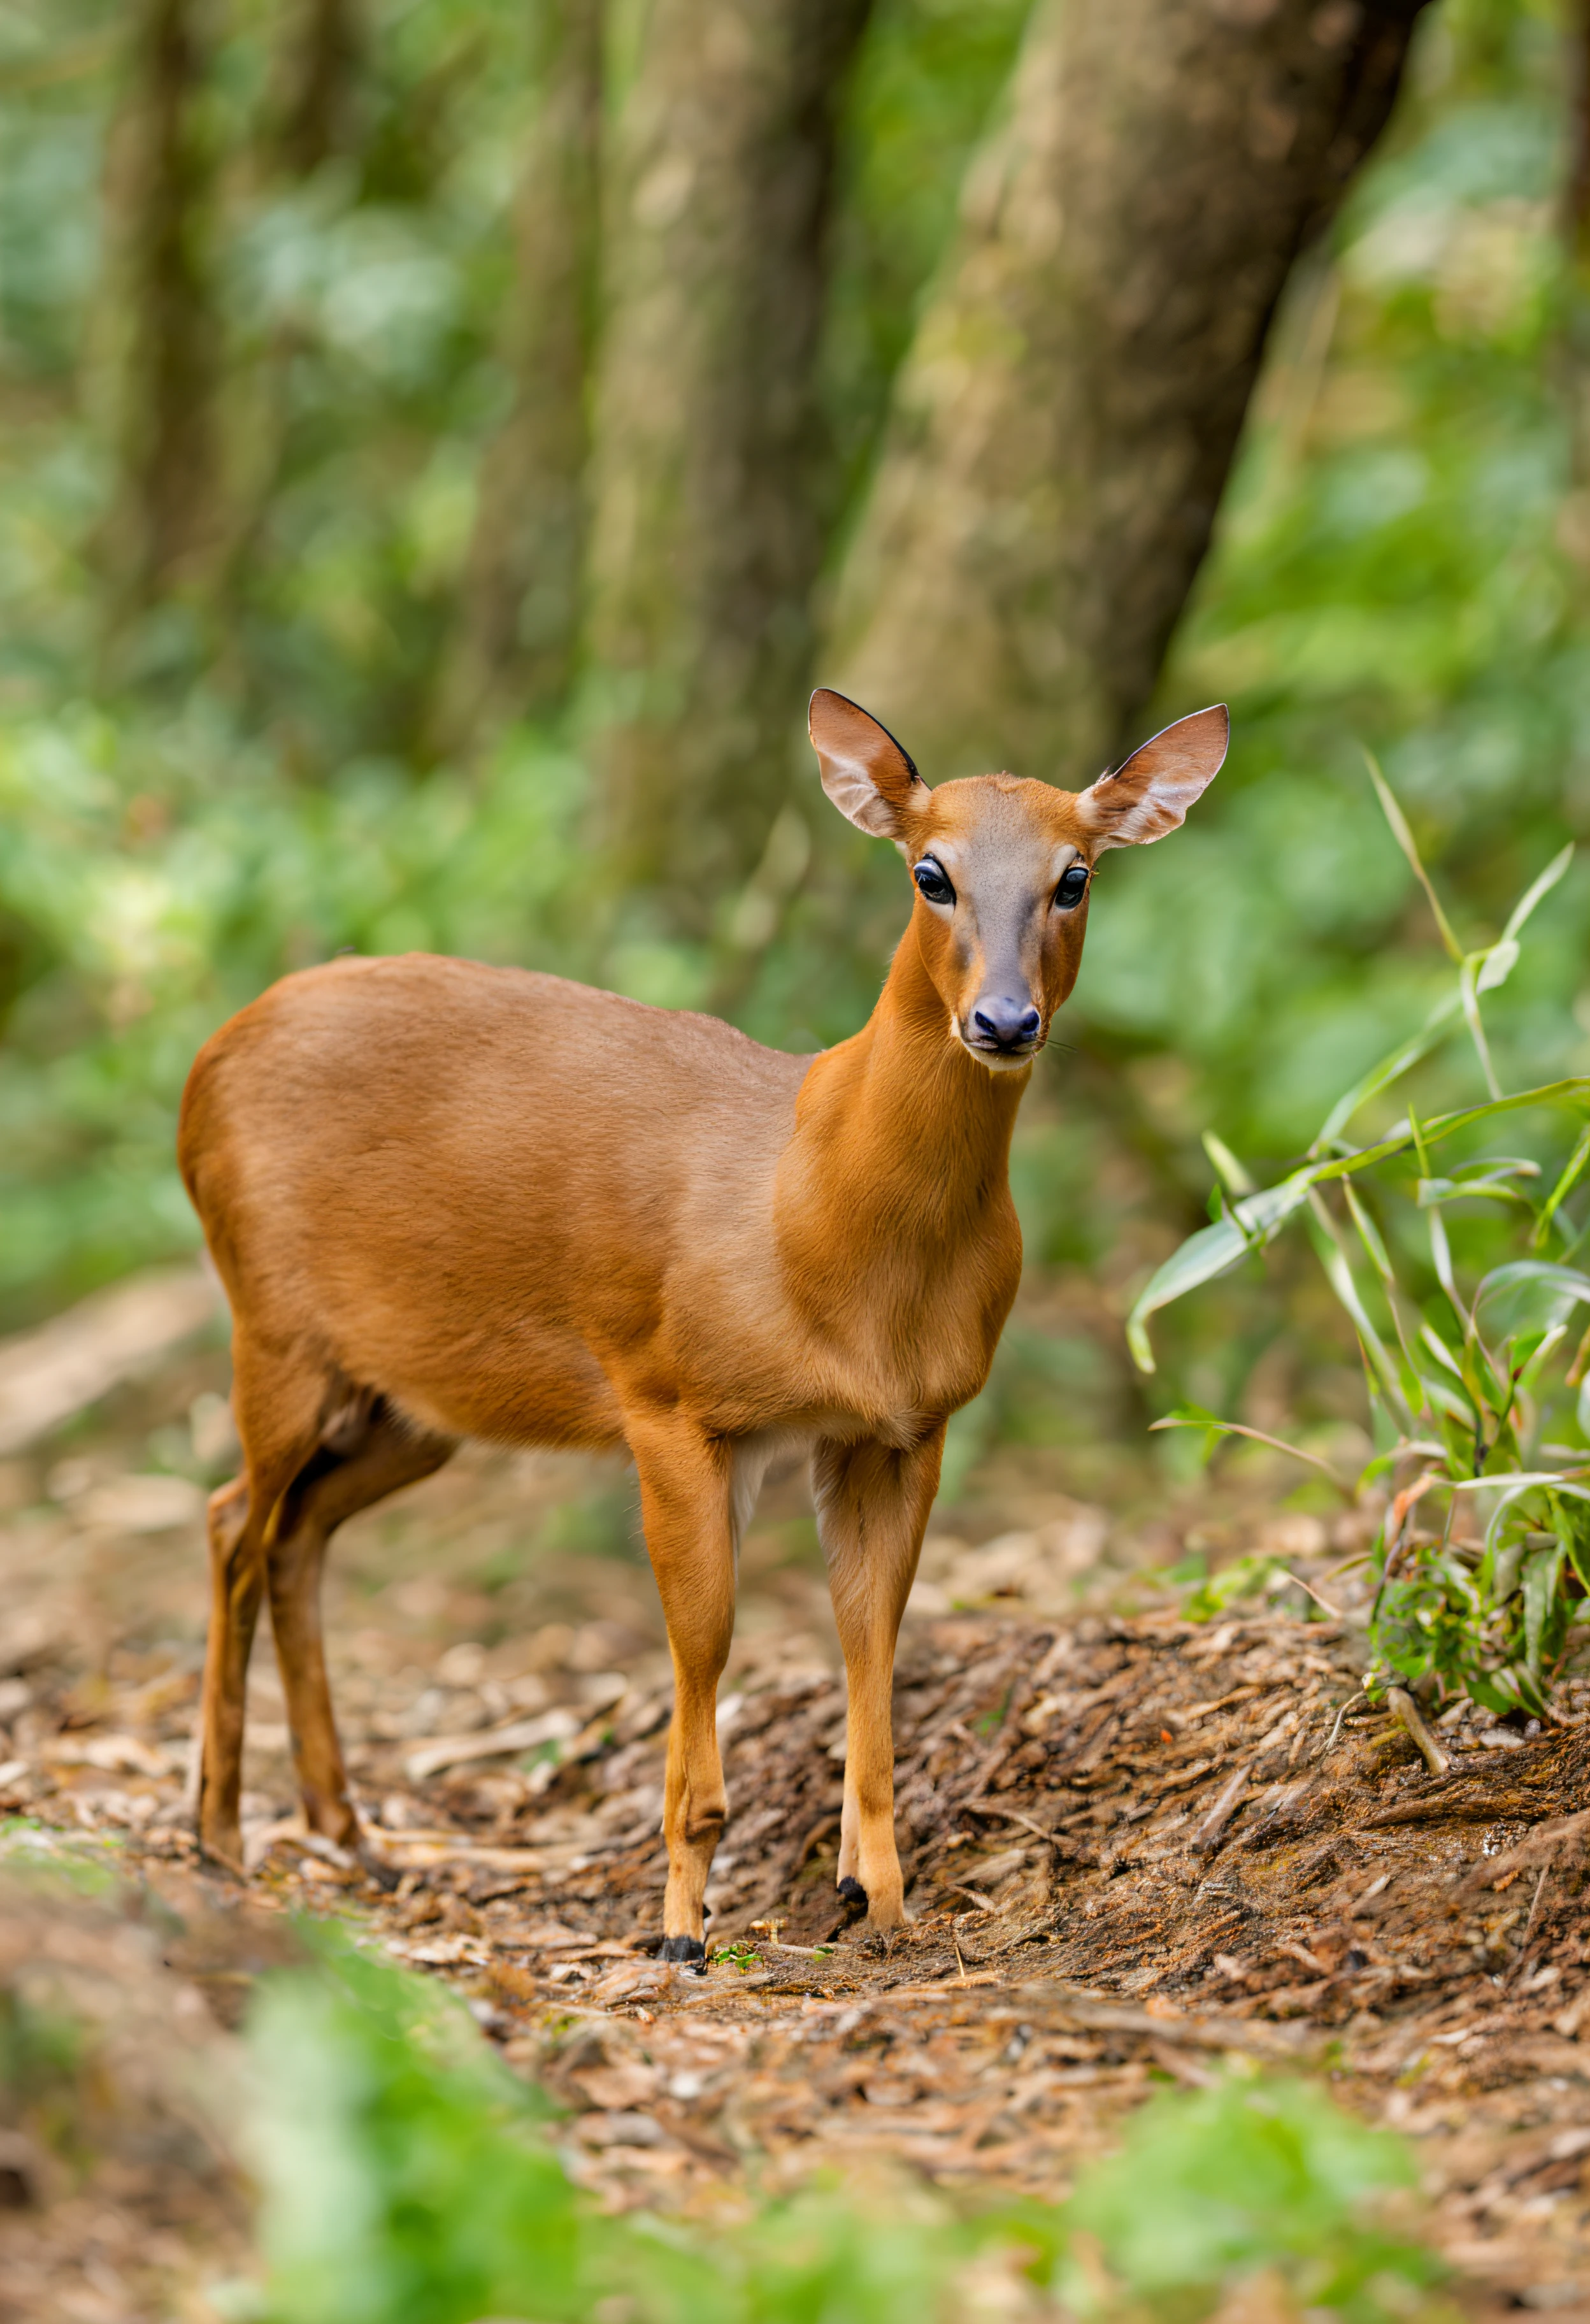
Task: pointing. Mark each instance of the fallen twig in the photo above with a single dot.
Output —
(1208, 1833)
(1423, 1742)
(1096, 2013)
(1351, 1703)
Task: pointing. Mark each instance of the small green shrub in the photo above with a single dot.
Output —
(1474, 1385)
(406, 2177)
(1250, 2175)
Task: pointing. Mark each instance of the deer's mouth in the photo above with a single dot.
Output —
(998, 1058)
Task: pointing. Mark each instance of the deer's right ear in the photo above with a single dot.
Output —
(865, 773)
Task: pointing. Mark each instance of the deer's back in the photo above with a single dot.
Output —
(479, 1188)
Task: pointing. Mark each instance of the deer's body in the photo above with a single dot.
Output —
(578, 1204)
(453, 1201)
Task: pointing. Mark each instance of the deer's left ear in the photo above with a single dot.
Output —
(1151, 793)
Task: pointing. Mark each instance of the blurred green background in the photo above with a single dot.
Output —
(231, 732)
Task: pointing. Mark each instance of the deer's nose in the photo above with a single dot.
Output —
(1004, 1023)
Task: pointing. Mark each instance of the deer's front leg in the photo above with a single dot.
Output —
(685, 1507)
(872, 1509)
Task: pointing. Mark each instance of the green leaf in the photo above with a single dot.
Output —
(1404, 839)
(1237, 1180)
(1564, 1187)
(1377, 1356)
(1541, 1574)
(1257, 1218)
(1541, 885)
(1526, 1297)
(1391, 1068)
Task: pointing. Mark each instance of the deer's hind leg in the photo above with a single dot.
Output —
(278, 1408)
(370, 1454)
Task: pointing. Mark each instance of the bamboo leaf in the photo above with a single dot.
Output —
(1257, 1218)
(1236, 1179)
(1494, 966)
(1441, 1257)
(1525, 1297)
(1193, 1415)
(1202, 1257)
(1368, 1233)
(1468, 986)
(1563, 1188)
(1540, 885)
(1391, 1068)
(1541, 1574)
(1404, 839)
(1377, 1356)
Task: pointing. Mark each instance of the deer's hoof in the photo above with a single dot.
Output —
(852, 1895)
(685, 1948)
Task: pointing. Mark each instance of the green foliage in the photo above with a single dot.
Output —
(407, 2178)
(1248, 2175)
(238, 783)
(403, 2169)
(1474, 1391)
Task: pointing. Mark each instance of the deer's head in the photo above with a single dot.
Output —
(1004, 869)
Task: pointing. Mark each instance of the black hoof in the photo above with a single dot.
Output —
(852, 1893)
(685, 1948)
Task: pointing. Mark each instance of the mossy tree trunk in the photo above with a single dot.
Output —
(157, 209)
(320, 86)
(1064, 424)
(512, 648)
(708, 501)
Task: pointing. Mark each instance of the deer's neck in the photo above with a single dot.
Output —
(902, 1144)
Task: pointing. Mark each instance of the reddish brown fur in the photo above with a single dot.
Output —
(448, 1200)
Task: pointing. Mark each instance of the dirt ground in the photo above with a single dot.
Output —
(1134, 1844)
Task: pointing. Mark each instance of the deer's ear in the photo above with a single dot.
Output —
(865, 773)
(1151, 793)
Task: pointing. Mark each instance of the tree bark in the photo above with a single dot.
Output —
(157, 199)
(1064, 423)
(520, 600)
(320, 86)
(708, 515)
(1573, 349)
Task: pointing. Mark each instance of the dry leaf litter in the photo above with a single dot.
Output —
(1135, 1846)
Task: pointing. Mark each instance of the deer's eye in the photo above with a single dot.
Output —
(1072, 888)
(932, 880)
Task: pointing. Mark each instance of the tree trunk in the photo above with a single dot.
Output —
(1063, 426)
(1573, 349)
(157, 199)
(708, 518)
(522, 594)
(320, 86)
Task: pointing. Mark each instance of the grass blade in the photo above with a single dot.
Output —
(1189, 1417)
(1537, 888)
(1468, 985)
(1407, 1053)
(1215, 1250)
(1404, 839)
(1563, 1188)
(1377, 1356)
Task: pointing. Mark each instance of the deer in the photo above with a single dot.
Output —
(450, 1200)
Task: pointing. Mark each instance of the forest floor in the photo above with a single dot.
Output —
(1134, 1844)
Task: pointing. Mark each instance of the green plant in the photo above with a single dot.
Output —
(739, 1955)
(1466, 1386)
(407, 2178)
(1248, 2175)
